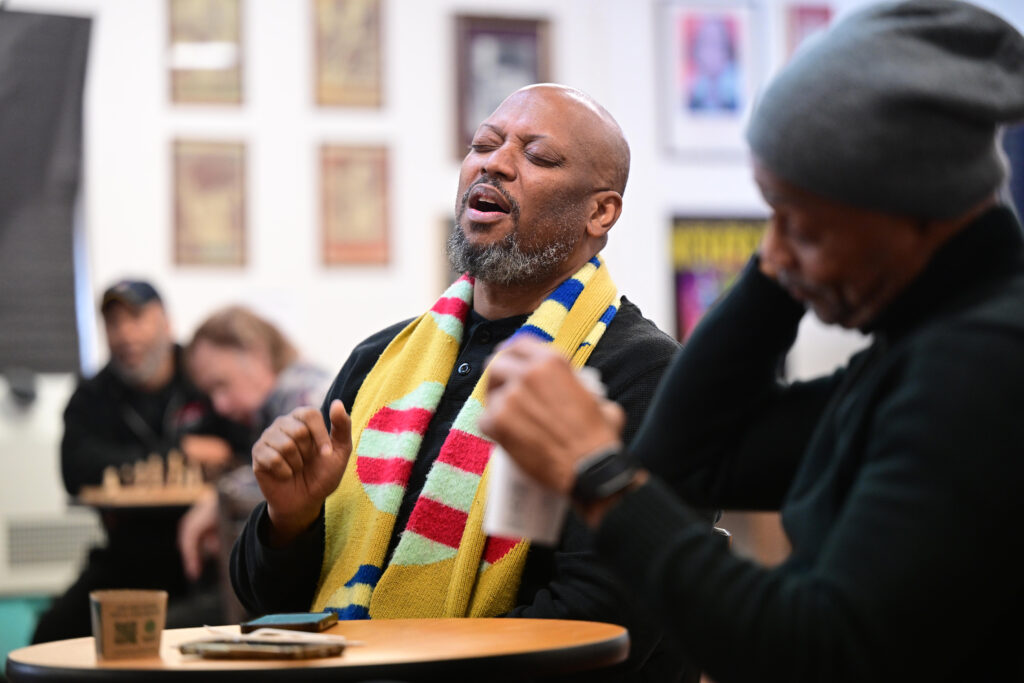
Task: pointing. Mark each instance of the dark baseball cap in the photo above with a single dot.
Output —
(132, 293)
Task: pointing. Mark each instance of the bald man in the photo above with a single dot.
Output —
(374, 503)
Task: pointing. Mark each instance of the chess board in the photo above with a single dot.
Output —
(153, 482)
(142, 496)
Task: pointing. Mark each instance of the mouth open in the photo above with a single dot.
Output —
(486, 204)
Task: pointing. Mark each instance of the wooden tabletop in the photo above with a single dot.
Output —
(406, 649)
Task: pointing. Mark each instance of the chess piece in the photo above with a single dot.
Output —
(111, 480)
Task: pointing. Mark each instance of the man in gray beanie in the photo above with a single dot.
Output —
(899, 477)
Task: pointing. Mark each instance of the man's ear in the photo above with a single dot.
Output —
(606, 207)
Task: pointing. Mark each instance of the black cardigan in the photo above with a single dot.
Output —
(900, 481)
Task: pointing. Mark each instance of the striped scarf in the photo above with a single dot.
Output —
(444, 565)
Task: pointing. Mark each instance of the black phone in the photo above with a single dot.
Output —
(294, 621)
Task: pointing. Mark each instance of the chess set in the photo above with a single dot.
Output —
(148, 483)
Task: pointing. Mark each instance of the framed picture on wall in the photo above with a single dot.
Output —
(205, 51)
(494, 57)
(707, 255)
(347, 59)
(209, 203)
(709, 74)
(803, 21)
(354, 204)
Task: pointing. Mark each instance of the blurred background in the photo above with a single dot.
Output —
(300, 157)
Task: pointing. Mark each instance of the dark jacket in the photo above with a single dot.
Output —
(567, 583)
(899, 479)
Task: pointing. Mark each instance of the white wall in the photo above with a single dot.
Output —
(606, 47)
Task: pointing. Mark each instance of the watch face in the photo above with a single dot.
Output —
(604, 476)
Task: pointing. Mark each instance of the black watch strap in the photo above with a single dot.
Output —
(603, 474)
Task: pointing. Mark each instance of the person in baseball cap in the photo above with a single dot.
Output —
(140, 404)
(131, 293)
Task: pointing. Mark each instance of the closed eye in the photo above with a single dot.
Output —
(542, 161)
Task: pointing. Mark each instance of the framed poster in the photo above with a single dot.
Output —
(803, 21)
(494, 58)
(209, 203)
(707, 255)
(347, 59)
(205, 51)
(708, 76)
(354, 204)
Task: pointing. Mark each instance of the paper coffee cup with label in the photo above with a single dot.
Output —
(127, 623)
(517, 505)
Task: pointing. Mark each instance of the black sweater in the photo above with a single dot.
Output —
(899, 479)
(566, 583)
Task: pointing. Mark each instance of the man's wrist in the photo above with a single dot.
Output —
(283, 530)
(593, 513)
(603, 474)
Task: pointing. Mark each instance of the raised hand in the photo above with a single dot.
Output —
(543, 416)
(297, 464)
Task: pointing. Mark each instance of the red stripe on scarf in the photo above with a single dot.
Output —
(497, 548)
(451, 306)
(465, 451)
(437, 521)
(383, 470)
(394, 421)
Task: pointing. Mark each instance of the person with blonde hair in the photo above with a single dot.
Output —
(252, 374)
(250, 370)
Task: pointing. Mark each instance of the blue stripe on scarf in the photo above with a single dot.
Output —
(350, 612)
(567, 292)
(367, 573)
(608, 314)
(534, 330)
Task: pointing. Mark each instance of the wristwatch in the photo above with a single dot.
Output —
(603, 474)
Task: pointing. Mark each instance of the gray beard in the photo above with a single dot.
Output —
(151, 362)
(506, 263)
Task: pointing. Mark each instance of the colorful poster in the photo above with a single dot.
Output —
(708, 254)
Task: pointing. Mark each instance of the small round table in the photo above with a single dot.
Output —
(402, 649)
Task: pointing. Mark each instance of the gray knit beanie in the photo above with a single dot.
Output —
(896, 108)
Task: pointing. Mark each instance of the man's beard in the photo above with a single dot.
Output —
(143, 373)
(506, 262)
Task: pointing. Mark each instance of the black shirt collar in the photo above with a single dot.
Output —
(982, 254)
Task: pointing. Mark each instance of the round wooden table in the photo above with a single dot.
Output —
(402, 649)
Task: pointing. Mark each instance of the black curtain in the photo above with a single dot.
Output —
(42, 73)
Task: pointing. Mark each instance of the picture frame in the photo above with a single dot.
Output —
(354, 204)
(707, 255)
(802, 21)
(348, 53)
(205, 51)
(495, 56)
(209, 203)
(709, 72)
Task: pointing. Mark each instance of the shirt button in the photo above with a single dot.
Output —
(484, 336)
(464, 369)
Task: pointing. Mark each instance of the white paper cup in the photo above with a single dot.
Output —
(127, 623)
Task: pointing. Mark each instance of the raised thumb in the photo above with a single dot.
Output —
(341, 427)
